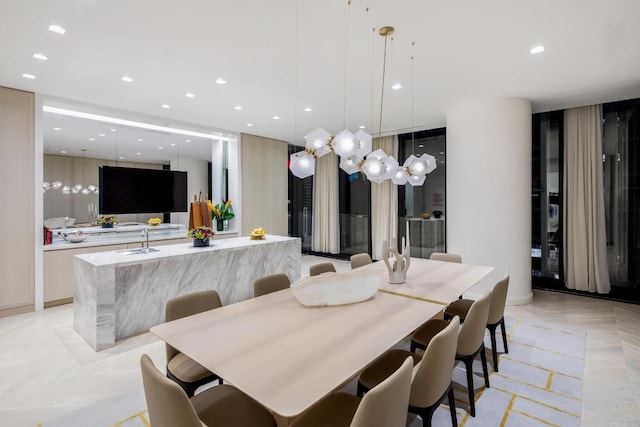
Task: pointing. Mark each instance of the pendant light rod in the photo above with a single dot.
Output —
(384, 32)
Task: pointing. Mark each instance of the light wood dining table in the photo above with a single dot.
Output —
(288, 357)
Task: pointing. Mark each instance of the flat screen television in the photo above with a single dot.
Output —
(132, 190)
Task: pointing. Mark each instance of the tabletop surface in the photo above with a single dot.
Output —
(287, 356)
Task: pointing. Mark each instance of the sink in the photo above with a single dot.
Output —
(137, 251)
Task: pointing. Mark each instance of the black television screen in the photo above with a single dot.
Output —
(133, 190)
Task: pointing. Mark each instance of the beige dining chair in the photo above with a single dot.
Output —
(323, 267)
(385, 405)
(188, 373)
(440, 256)
(470, 341)
(272, 283)
(358, 260)
(496, 315)
(222, 405)
(432, 380)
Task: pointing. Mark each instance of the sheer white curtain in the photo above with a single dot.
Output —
(384, 202)
(585, 239)
(326, 209)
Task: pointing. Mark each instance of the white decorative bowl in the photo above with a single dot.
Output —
(76, 237)
(337, 288)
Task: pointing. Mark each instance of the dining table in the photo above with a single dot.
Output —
(288, 356)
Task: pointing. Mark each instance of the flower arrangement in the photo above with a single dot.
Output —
(108, 219)
(201, 233)
(221, 211)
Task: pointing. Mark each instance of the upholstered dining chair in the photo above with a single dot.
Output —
(432, 379)
(470, 341)
(358, 260)
(496, 315)
(180, 368)
(222, 405)
(385, 405)
(272, 283)
(323, 267)
(440, 256)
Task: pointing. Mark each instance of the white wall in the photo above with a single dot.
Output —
(489, 190)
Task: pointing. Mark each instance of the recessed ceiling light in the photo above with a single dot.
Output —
(187, 140)
(362, 127)
(173, 145)
(160, 148)
(63, 151)
(237, 107)
(121, 158)
(308, 109)
(420, 145)
(396, 86)
(442, 152)
(221, 81)
(140, 140)
(166, 106)
(92, 139)
(250, 124)
(57, 128)
(113, 129)
(189, 95)
(137, 154)
(536, 49)
(126, 79)
(101, 134)
(28, 76)
(57, 29)
(276, 117)
(40, 56)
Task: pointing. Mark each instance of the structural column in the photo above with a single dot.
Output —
(488, 208)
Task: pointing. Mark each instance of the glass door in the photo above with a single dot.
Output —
(300, 207)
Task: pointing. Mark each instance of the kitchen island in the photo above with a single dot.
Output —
(118, 294)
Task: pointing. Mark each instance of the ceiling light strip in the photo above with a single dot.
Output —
(114, 120)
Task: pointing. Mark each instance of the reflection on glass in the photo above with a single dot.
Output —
(355, 213)
(423, 207)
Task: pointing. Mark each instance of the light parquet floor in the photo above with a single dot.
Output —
(47, 370)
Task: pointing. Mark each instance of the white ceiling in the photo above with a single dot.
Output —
(280, 57)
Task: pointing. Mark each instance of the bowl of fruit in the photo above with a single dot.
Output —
(154, 221)
(258, 234)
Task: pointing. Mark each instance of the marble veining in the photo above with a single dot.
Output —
(118, 295)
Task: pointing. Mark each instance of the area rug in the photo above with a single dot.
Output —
(539, 384)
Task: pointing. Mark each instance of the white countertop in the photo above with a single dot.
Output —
(166, 251)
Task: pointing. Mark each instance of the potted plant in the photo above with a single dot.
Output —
(222, 213)
(107, 221)
(201, 236)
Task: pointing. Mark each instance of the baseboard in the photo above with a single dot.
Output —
(17, 310)
(56, 302)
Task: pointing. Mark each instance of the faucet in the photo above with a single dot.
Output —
(64, 223)
(145, 234)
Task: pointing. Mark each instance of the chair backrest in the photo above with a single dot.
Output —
(439, 256)
(187, 305)
(434, 373)
(266, 285)
(358, 260)
(386, 404)
(167, 403)
(498, 301)
(472, 330)
(323, 267)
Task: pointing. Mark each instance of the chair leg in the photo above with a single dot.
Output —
(468, 363)
(494, 350)
(414, 346)
(483, 357)
(504, 335)
(452, 406)
(361, 390)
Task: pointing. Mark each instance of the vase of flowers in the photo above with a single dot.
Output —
(201, 236)
(222, 213)
(107, 221)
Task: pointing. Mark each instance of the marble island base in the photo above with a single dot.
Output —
(118, 295)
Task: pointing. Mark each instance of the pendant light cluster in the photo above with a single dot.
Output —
(67, 189)
(355, 151)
